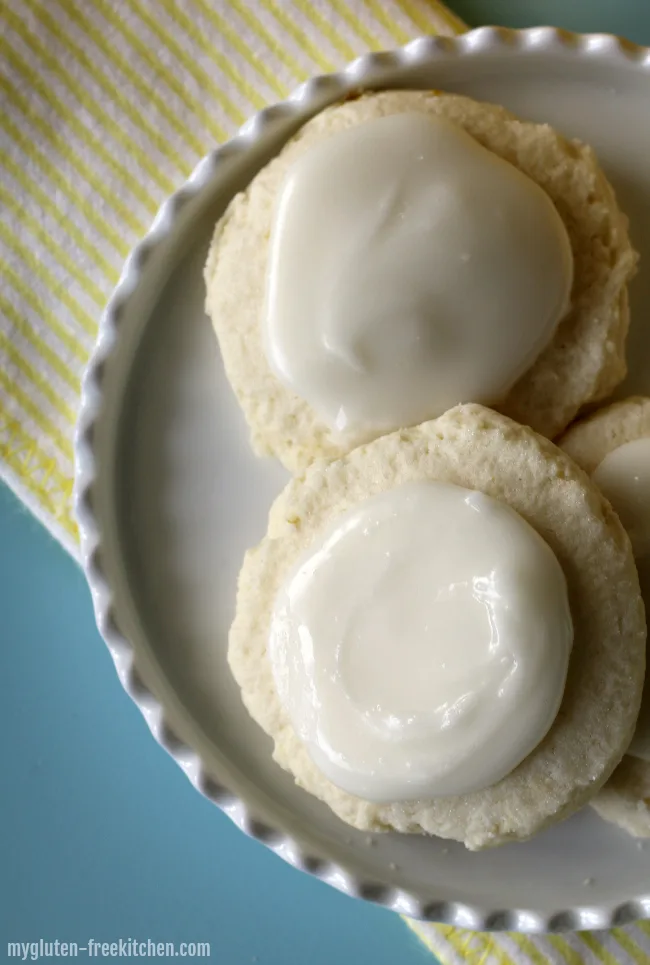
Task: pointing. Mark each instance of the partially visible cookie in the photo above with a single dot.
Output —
(479, 449)
(589, 440)
(584, 361)
(625, 799)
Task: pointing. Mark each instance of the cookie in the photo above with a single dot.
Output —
(625, 799)
(585, 359)
(476, 448)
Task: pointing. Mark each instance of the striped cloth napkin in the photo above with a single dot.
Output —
(454, 946)
(106, 108)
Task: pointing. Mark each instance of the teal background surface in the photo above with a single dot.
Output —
(102, 835)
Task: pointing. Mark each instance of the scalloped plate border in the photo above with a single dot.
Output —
(360, 72)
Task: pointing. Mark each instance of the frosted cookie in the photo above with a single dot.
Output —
(613, 445)
(531, 256)
(509, 467)
(593, 438)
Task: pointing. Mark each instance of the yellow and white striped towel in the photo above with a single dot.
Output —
(454, 946)
(106, 108)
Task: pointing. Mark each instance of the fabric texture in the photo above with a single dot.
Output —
(106, 108)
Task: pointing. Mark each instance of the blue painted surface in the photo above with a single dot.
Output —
(102, 836)
(629, 18)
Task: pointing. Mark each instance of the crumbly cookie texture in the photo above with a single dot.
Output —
(625, 799)
(585, 359)
(477, 448)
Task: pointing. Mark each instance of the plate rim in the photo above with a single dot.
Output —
(362, 72)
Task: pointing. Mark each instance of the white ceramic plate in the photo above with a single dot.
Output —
(168, 497)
